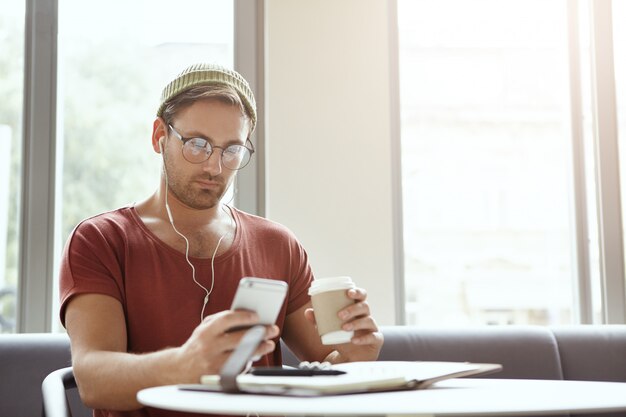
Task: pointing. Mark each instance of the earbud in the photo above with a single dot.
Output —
(161, 145)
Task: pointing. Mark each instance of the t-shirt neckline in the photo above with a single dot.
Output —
(220, 258)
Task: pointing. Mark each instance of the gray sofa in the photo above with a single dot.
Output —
(529, 352)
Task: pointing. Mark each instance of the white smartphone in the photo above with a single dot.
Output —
(263, 296)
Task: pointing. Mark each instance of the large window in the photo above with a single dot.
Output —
(11, 91)
(101, 78)
(111, 83)
(487, 155)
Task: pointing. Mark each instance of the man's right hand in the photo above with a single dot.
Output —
(109, 377)
(212, 342)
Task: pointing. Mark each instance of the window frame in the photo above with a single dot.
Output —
(396, 162)
(608, 193)
(36, 246)
(605, 137)
(40, 168)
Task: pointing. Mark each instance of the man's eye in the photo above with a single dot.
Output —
(233, 150)
(197, 144)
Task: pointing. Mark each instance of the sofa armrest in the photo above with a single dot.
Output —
(592, 352)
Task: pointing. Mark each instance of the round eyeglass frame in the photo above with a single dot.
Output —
(210, 149)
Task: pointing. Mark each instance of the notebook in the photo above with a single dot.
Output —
(359, 377)
(353, 377)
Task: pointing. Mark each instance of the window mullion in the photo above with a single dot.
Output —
(39, 144)
(396, 161)
(583, 295)
(250, 62)
(607, 165)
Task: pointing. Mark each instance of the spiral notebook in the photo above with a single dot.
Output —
(353, 377)
(359, 377)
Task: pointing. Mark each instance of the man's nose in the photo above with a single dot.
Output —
(213, 165)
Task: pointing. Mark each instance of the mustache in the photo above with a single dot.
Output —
(214, 178)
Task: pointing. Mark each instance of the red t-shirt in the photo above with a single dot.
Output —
(117, 255)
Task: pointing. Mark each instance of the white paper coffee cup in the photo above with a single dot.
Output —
(328, 296)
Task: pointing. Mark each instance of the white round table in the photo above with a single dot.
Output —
(461, 397)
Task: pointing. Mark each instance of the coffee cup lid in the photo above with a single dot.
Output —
(320, 285)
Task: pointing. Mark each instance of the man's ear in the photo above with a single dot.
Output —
(159, 131)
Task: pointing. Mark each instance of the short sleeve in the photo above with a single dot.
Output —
(301, 277)
(90, 264)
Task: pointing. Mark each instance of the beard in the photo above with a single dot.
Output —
(186, 190)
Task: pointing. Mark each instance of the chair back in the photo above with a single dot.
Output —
(53, 389)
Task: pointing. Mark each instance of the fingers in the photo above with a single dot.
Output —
(230, 340)
(211, 343)
(224, 320)
(223, 331)
(359, 308)
(358, 294)
(364, 323)
(367, 338)
(267, 346)
(355, 310)
(357, 317)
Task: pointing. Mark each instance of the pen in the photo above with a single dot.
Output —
(279, 371)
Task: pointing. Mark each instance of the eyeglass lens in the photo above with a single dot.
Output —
(198, 150)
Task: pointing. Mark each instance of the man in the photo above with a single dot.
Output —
(146, 289)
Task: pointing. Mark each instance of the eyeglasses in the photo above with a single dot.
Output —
(198, 150)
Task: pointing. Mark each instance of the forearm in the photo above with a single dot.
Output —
(111, 380)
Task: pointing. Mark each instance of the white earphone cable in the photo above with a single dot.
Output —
(193, 268)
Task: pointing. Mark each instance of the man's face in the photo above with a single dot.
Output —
(201, 186)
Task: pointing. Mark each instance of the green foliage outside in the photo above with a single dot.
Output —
(108, 158)
(105, 118)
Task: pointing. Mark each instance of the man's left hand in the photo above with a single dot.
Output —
(367, 340)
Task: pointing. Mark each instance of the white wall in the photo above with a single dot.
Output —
(328, 137)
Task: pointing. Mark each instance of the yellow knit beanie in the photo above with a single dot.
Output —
(207, 74)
